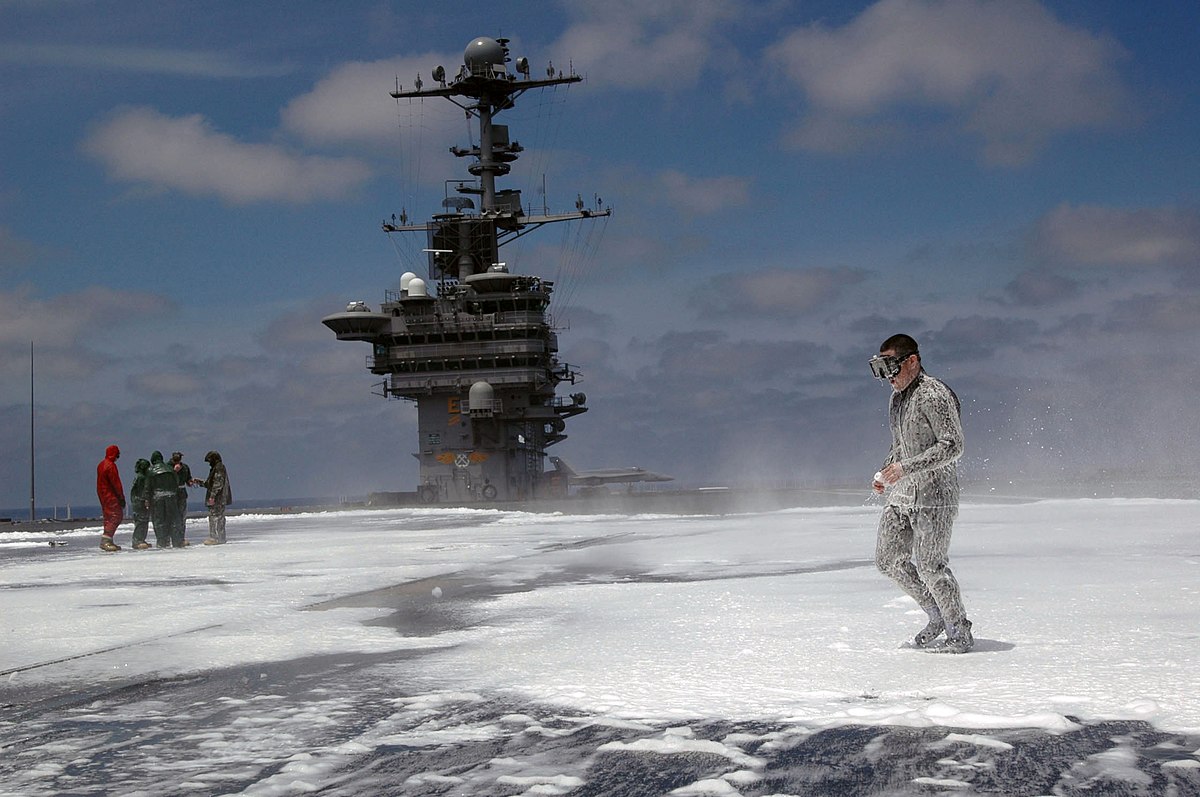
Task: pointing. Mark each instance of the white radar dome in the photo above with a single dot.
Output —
(416, 287)
(481, 394)
(406, 279)
(482, 53)
(482, 400)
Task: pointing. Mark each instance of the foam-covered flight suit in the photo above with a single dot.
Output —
(913, 545)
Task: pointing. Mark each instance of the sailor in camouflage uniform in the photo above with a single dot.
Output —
(217, 496)
(913, 546)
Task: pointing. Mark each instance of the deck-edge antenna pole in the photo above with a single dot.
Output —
(32, 470)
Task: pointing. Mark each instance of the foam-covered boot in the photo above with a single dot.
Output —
(107, 544)
(932, 631)
(958, 639)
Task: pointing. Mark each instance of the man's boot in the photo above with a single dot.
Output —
(107, 544)
(958, 639)
(932, 631)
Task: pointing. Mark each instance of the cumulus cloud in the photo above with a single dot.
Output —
(703, 195)
(631, 44)
(1007, 72)
(147, 60)
(970, 338)
(1090, 235)
(833, 134)
(165, 384)
(110, 368)
(874, 329)
(715, 361)
(141, 145)
(1037, 288)
(295, 330)
(584, 318)
(70, 317)
(793, 411)
(352, 103)
(64, 328)
(1173, 315)
(774, 292)
(316, 358)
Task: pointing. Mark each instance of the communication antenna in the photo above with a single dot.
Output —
(32, 469)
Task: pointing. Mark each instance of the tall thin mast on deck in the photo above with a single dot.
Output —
(32, 448)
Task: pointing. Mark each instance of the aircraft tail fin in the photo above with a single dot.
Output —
(560, 464)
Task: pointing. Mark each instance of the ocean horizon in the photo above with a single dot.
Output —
(84, 511)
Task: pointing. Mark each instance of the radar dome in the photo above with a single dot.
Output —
(482, 400)
(416, 287)
(483, 53)
(481, 392)
(405, 280)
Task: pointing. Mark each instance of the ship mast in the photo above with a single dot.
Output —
(483, 88)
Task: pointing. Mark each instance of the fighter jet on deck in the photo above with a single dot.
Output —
(595, 478)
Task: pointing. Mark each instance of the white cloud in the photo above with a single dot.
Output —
(1008, 72)
(631, 44)
(703, 195)
(1100, 236)
(774, 292)
(1038, 287)
(141, 145)
(352, 103)
(165, 384)
(65, 329)
(837, 135)
(68, 317)
(150, 60)
(1176, 316)
(131, 368)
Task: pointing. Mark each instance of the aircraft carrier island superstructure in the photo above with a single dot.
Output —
(474, 345)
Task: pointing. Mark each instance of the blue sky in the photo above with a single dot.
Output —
(187, 188)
